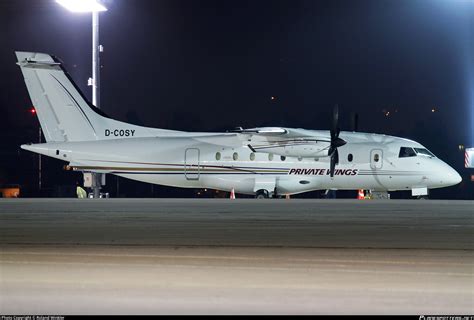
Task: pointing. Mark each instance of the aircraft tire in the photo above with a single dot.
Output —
(262, 194)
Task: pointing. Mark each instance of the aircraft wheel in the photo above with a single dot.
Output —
(262, 194)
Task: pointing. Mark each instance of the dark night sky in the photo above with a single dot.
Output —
(213, 65)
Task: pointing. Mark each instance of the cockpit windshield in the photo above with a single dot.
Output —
(424, 152)
(406, 152)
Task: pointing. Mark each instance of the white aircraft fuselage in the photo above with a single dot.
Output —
(281, 161)
(191, 162)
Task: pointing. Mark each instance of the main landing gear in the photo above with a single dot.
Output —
(265, 194)
(262, 194)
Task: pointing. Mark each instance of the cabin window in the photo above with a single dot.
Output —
(218, 156)
(235, 156)
(252, 156)
(376, 157)
(350, 157)
(300, 158)
(270, 157)
(406, 152)
(283, 158)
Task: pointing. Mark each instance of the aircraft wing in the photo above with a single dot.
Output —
(280, 132)
(286, 141)
(276, 140)
(256, 138)
(232, 140)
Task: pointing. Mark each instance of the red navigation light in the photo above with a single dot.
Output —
(33, 110)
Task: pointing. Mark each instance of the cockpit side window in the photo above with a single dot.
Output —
(406, 152)
(424, 152)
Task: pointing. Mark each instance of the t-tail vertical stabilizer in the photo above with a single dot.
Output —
(63, 111)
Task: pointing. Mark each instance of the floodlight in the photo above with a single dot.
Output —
(82, 5)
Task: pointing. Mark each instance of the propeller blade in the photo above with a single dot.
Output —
(336, 142)
(330, 151)
(354, 121)
(333, 163)
(335, 121)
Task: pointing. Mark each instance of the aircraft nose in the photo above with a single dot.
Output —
(451, 177)
(444, 176)
(456, 178)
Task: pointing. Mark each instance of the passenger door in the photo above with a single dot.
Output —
(376, 159)
(192, 169)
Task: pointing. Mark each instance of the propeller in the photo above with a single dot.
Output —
(336, 142)
(355, 121)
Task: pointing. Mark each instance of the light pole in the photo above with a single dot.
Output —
(96, 49)
(94, 7)
(33, 112)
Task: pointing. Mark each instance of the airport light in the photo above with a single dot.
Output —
(95, 7)
(82, 5)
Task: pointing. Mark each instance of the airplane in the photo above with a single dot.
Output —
(265, 161)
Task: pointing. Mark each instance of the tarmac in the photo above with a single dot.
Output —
(221, 256)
